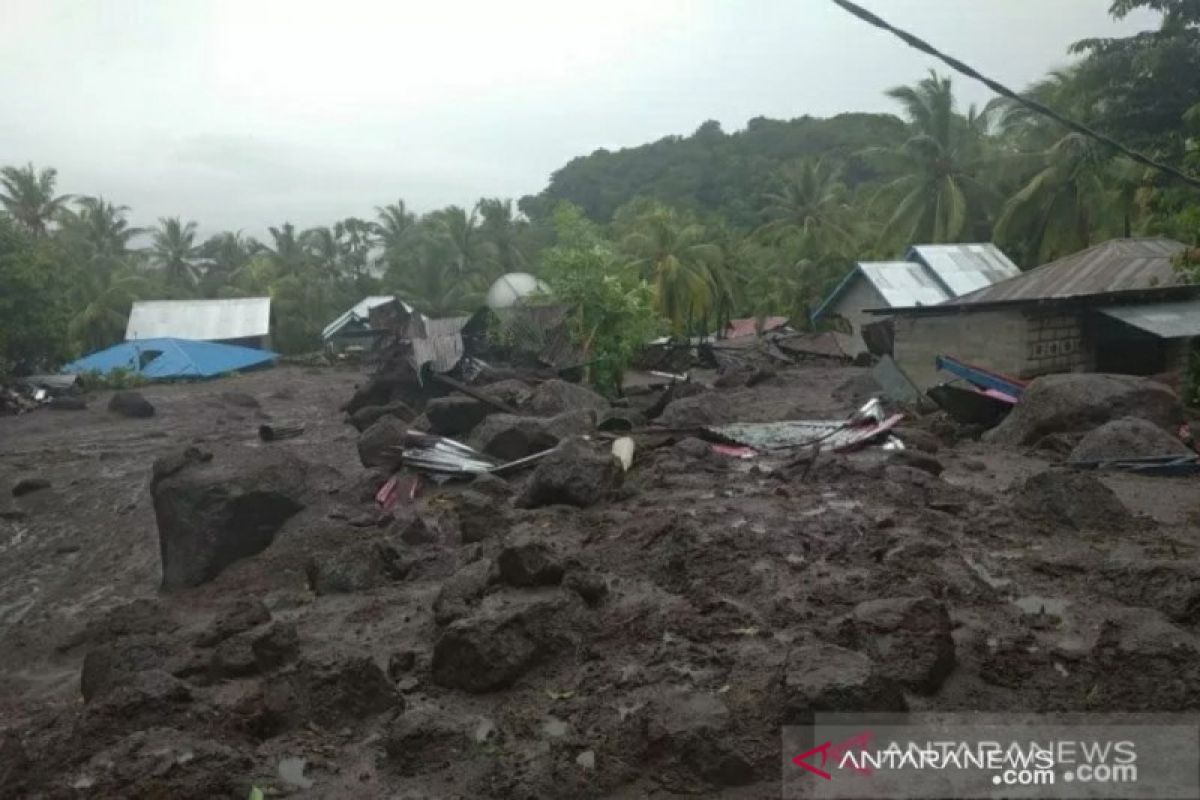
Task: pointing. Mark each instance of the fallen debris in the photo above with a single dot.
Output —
(277, 431)
(865, 427)
(130, 404)
(622, 450)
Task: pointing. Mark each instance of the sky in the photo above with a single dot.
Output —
(241, 114)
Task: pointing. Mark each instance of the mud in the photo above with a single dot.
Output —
(652, 641)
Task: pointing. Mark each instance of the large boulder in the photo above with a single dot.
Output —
(824, 677)
(1070, 499)
(573, 475)
(529, 562)
(355, 567)
(367, 416)
(1128, 437)
(1079, 402)
(696, 411)
(130, 404)
(509, 437)
(213, 513)
(556, 396)
(455, 415)
(908, 637)
(377, 444)
(327, 691)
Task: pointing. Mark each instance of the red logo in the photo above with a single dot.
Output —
(829, 750)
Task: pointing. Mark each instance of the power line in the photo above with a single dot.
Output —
(1004, 91)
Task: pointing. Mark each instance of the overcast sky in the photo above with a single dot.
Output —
(244, 113)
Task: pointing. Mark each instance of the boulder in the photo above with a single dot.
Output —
(693, 447)
(917, 460)
(574, 475)
(591, 586)
(130, 404)
(412, 529)
(503, 639)
(329, 691)
(455, 415)
(1078, 402)
(479, 516)
(239, 617)
(620, 420)
(529, 562)
(279, 644)
(25, 486)
(708, 408)
(824, 677)
(211, 514)
(492, 485)
(509, 437)
(425, 740)
(1128, 437)
(556, 396)
(355, 567)
(510, 391)
(377, 444)
(117, 663)
(908, 638)
(461, 592)
(917, 439)
(1071, 499)
(367, 416)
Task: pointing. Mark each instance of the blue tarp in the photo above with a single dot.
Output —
(172, 358)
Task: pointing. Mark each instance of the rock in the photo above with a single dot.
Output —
(142, 617)
(1171, 586)
(400, 663)
(1142, 663)
(620, 420)
(455, 415)
(591, 586)
(241, 616)
(240, 399)
(503, 639)
(25, 486)
(368, 415)
(1072, 499)
(117, 663)
(461, 592)
(377, 443)
(918, 439)
(487, 483)
(1128, 437)
(693, 447)
(825, 677)
(212, 514)
(509, 437)
(67, 403)
(279, 644)
(233, 658)
(479, 516)
(917, 460)
(1078, 402)
(708, 408)
(424, 740)
(691, 730)
(556, 396)
(529, 562)
(355, 567)
(510, 391)
(329, 691)
(411, 528)
(168, 465)
(130, 404)
(908, 638)
(575, 475)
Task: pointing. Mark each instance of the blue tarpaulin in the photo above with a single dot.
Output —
(172, 358)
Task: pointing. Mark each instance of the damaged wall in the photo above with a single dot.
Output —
(994, 339)
(851, 307)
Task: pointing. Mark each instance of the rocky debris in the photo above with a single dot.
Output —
(279, 644)
(676, 391)
(510, 391)
(492, 485)
(1141, 663)
(824, 677)
(917, 439)
(556, 396)
(212, 514)
(691, 730)
(377, 443)
(130, 404)
(455, 415)
(424, 740)
(909, 638)
(411, 528)
(1171, 586)
(15, 763)
(239, 617)
(356, 567)
(693, 447)
(917, 460)
(400, 663)
(117, 663)
(1078, 402)
(29, 485)
(707, 408)
(509, 437)
(479, 516)
(1071, 499)
(329, 691)
(368, 415)
(461, 592)
(67, 403)
(143, 617)
(529, 562)
(503, 639)
(574, 475)
(241, 400)
(1128, 437)
(620, 420)
(167, 465)
(591, 586)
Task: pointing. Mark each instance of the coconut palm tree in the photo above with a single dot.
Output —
(808, 203)
(174, 251)
(501, 230)
(286, 252)
(392, 225)
(28, 197)
(679, 262)
(935, 196)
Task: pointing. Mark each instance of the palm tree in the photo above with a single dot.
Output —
(285, 252)
(223, 254)
(174, 251)
(356, 238)
(679, 262)
(936, 197)
(394, 223)
(28, 197)
(461, 229)
(810, 204)
(500, 229)
(322, 246)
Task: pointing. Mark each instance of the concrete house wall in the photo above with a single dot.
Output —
(992, 339)
(851, 307)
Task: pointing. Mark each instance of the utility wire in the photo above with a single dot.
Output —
(1004, 91)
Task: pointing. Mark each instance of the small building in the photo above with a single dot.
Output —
(244, 321)
(360, 324)
(930, 274)
(1121, 306)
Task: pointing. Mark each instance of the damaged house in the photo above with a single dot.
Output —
(930, 274)
(243, 321)
(1122, 306)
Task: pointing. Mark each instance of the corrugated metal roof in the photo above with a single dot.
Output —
(1113, 266)
(903, 283)
(964, 268)
(202, 320)
(1168, 320)
(360, 311)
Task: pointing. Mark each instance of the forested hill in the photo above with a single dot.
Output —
(714, 171)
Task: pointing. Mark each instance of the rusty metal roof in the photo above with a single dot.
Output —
(1113, 266)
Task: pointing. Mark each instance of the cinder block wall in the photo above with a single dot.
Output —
(861, 295)
(1055, 342)
(993, 339)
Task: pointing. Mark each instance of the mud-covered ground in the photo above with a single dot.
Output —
(650, 645)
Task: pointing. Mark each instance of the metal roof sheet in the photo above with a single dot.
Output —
(903, 283)
(1113, 266)
(964, 268)
(1168, 320)
(360, 311)
(200, 320)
